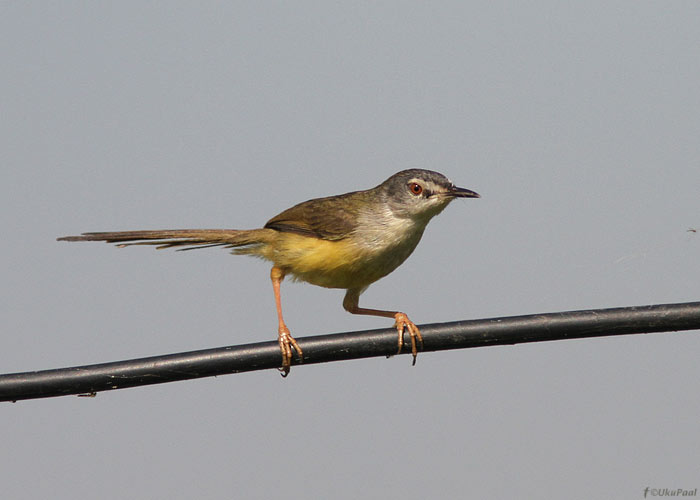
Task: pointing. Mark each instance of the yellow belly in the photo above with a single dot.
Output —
(331, 264)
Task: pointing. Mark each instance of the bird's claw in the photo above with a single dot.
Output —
(403, 323)
(287, 345)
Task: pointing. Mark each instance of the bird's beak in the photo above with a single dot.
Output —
(458, 192)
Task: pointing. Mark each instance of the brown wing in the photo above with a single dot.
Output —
(332, 218)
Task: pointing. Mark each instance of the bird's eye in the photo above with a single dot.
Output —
(415, 188)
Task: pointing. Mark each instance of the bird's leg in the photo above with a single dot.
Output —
(287, 342)
(351, 305)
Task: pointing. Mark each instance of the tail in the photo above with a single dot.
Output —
(189, 238)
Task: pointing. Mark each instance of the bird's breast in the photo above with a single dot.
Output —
(368, 254)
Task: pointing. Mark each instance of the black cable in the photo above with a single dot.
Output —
(90, 379)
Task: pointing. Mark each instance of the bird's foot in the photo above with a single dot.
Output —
(287, 344)
(403, 323)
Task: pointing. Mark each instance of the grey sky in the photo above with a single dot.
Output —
(578, 124)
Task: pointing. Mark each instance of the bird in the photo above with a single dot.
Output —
(346, 241)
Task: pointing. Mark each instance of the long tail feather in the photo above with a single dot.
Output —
(192, 238)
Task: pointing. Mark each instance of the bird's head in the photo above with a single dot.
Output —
(420, 194)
